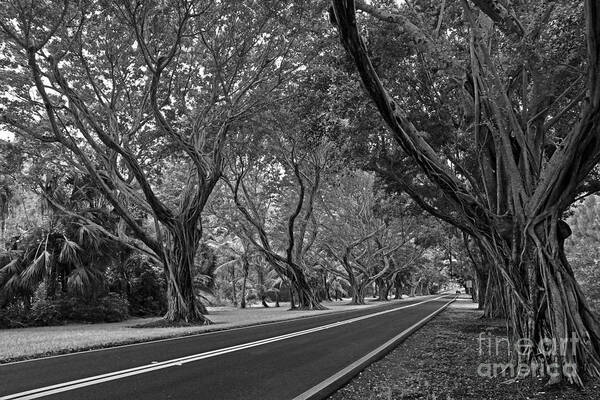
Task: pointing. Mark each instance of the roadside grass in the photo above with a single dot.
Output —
(26, 343)
(441, 360)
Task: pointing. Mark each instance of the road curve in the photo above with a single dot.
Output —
(273, 361)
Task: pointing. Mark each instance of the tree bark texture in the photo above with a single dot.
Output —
(178, 263)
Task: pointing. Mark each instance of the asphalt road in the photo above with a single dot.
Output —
(245, 363)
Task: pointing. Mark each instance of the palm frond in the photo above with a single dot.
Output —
(11, 269)
(13, 285)
(34, 272)
(69, 252)
(89, 238)
(83, 279)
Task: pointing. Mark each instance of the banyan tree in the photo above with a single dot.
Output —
(523, 80)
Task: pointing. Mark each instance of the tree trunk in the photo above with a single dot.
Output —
(326, 287)
(63, 281)
(260, 275)
(292, 299)
(543, 301)
(556, 308)
(421, 289)
(233, 287)
(480, 286)
(481, 268)
(2, 233)
(182, 303)
(245, 279)
(306, 298)
(495, 301)
(51, 284)
(124, 281)
(383, 290)
(358, 294)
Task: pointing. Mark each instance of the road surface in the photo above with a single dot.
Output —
(274, 361)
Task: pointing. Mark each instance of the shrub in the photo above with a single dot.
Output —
(12, 316)
(110, 308)
(114, 307)
(44, 312)
(142, 283)
(147, 296)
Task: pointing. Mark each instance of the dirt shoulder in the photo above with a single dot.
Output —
(441, 362)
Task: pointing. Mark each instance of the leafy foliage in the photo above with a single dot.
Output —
(583, 248)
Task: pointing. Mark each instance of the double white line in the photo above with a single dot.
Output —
(94, 380)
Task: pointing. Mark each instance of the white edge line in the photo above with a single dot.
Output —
(93, 380)
(337, 379)
(210, 332)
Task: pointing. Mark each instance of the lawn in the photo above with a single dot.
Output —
(24, 343)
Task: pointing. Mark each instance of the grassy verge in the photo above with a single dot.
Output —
(26, 343)
(440, 362)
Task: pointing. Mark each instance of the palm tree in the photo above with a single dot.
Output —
(65, 255)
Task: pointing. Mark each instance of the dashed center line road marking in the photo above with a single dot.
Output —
(94, 380)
